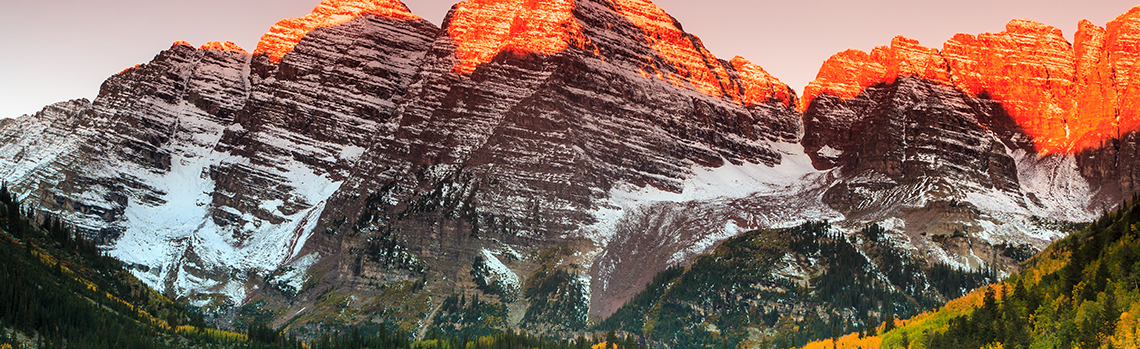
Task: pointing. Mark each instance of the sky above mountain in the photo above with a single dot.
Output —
(55, 50)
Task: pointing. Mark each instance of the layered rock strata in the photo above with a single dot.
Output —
(529, 150)
(1067, 97)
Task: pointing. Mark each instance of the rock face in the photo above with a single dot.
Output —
(1066, 97)
(940, 163)
(1013, 124)
(482, 29)
(287, 33)
(532, 149)
(551, 156)
(365, 144)
(901, 133)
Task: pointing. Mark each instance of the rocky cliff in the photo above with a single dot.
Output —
(1006, 125)
(362, 164)
(1067, 97)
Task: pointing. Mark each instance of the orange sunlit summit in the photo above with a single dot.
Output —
(1066, 97)
(224, 46)
(284, 35)
(483, 28)
(691, 61)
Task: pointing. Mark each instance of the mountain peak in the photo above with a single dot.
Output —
(848, 73)
(1030, 27)
(684, 52)
(483, 28)
(223, 46)
(1030, 69)
(759, 85)
(1066, 96)
(284, 35)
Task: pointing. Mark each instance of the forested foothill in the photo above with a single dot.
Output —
(1082, 292)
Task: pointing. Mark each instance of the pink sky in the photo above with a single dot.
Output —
(55, 50)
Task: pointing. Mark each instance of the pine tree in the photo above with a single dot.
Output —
(1019, 292)
(889, 324)
(1087, 335)
(1099, 280)
(1111, 313)
(1074, 267)
(871, 326)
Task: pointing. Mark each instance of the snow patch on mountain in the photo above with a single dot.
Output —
(706, 243)
(1057, 185)
(296, 273)
(176, 240)
(730, 181)
(31, 145)
(501, 271)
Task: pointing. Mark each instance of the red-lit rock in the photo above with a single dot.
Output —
(483, 28)
(848, 73)
(693, 63)
(1029, 68)
(1121, 60)
(223, 46)
(906, 57)
(284, 35)
(845, 75)
(759, 86)
(1065, 97)
(1095, 89)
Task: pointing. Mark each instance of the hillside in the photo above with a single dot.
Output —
(1081, 292)
(791, 284)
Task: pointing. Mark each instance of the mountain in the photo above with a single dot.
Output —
(206, 167)
(547, 158)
